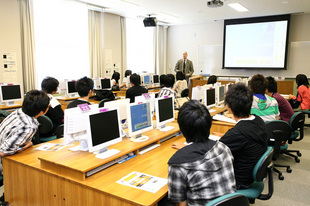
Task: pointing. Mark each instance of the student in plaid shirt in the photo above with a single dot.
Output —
(202, 170)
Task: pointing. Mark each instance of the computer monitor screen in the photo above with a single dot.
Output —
(71, 87)
(164, 111)
(197, 93)
(221, 94)
(122, 105)
(105, 84)
(150, 97)
(103, 130)
(155, 79)
(210, 97)
(147, 79)
(139, 119)
(10, 92)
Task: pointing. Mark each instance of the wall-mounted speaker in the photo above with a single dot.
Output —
(149, 21)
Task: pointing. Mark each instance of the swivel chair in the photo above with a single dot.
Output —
(308, 113)
(45, 129)
(185, 92)
(232, 199)
(262, 169)
(279, 131)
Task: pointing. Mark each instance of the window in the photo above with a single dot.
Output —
(61, 40)
(140, 46)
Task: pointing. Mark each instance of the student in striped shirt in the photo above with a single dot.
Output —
(167, 90)
(263, 105)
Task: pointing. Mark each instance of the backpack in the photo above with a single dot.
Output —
(104, 94)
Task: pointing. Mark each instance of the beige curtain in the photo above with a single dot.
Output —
(124, 48)
(95, 30)
(161, 50)
(27, 44)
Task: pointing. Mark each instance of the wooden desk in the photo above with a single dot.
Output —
(31, 178)
(17, 104)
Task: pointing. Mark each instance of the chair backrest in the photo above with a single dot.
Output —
(230, 200)
(101, 103)
(297, 122)
(278, 131)
(46, 125)
(185, 92)
(261, 168)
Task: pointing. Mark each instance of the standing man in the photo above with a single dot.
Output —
(185, 65)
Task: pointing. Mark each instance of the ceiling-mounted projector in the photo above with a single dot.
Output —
(149, 21)
(215, 3)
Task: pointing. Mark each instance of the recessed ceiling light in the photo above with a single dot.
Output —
(238, 7)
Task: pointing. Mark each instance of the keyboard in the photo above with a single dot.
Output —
(223, 118)
(148, 148)
(104, 166)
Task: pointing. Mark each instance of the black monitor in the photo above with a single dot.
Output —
(10, 93)
(210, 98)
(155, 79)
(164, 111)
(105, 84)
(71, 87)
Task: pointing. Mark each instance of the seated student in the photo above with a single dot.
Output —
(181, 83)
(286, 110)
(55, 112)
(84, 87)
(115, 78)
(124, 83)
(212, 79)
(17, 129)
(135, 89)
(264, 106)
(202, 170)
(167, 89)
(248, 139)
(303, 94)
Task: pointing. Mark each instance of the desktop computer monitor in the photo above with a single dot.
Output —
(220, 94)
(155, 79)
(105, 84)
(10, 93)
(209, 97)
(103, 130)
(198, 93)
(139, 120)
(75, 121)
(71, 89)
(150, 97)
(122, 106)
(164, 108)
(146, 79)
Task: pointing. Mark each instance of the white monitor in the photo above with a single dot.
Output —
(220, 94)
(146, 79)
(139, 120)
(164, 108)
(71, 89)
(10, 93)
(105, 84)
(209, 97)
(122, 105)
(147, 97)
(103, 130)
(198, 93)
(75, 124)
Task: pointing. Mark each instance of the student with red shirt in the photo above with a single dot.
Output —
(303, 91)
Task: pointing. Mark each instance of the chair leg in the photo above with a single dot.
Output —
(251, 201)
(288, 152)
(280, 176)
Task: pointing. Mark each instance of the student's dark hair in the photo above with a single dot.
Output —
(83, 86)
(34, 102)
(162, 80)
(169, 80)
(272, 85)
(239, 98)
(135, 79)
(116, 76)
(180, 76)
(49, 85)
(302, 79)
(212, 79)
(127, 73)
(258, 84)
(194, 121)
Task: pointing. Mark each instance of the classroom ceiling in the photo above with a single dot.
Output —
(181, 12)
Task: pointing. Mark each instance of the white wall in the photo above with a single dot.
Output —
(190, 37)
(10, 36)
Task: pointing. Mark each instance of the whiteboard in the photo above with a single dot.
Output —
(210, 59)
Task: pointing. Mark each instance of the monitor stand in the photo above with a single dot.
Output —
(72, 95)
(10, 103)
(105, 153)
(165, 128)
(139, 138)
(83, 146)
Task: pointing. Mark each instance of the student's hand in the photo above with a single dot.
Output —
(178, 145)
(229, 115)
(187, 75)
(290, 96)
(25, 146)
(217, 134)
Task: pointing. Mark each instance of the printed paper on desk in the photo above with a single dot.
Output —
(143, 181)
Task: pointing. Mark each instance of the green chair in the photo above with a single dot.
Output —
(185, 92)
(279, 131)
(101, 103)
(262, 169)
(45, 128)
(232, 199)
